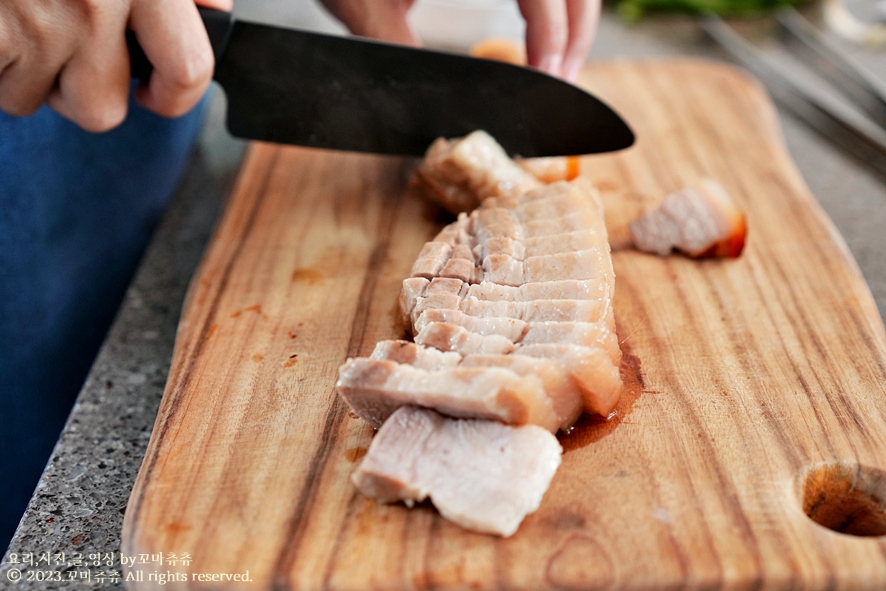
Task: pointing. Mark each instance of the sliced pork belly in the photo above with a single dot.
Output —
(449, 337)
(460, 173)
(701, 221)
(566, 397)
(538, 310)
(512, 329)
(481, 475)
(375, 388)
(414, 355)
(597, 376)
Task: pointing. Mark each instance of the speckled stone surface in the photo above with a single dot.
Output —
(79, 504)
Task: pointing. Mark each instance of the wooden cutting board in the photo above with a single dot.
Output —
(757, 386)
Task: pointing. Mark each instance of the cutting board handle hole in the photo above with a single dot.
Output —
(845, 497)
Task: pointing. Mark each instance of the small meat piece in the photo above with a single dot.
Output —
(481, 475)
(460, 173)
(432, 258)
(375, 388)
(700, 221)
(552, 169)
(414, 289)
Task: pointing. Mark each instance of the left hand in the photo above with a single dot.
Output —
(559, 33)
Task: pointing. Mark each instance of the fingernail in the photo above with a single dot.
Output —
(551, 64)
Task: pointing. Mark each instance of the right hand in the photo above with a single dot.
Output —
(559, 33)
(71, 55)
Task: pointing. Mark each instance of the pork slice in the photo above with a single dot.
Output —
(585, 334)
(461, 265)
(481, 475)
(461, 269)
(556, 205)
(375, 388)
(500, 246)
(411, 354)
(472, 306)
(443, 285)
(510, 328)
(461, 172)
(566, 398)
(592, 369)
(449, 337)
(565, 310)
(565, 242)
(583, 264)
(431, 259)
(701, 221)
(496, 222)
(538, 310)
(571, 222)
(502, 269)
(457, 232)
(570, 289)
(441, 301)
(413, 289)
(507, 202)
(580, 187)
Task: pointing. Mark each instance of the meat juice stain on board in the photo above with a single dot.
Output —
(591, 428)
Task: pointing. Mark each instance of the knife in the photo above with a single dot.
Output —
(297, 87)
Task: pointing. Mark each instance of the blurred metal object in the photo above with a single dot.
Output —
(865, 139)
(830, 62)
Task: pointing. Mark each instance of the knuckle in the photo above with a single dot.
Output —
(102, 119)
(18, 107)
(193, 70)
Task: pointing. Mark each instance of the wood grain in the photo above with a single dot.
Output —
(759, 383)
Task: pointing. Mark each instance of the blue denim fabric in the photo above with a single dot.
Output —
(76, 212)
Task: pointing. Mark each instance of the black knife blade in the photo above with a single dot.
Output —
(298, 87)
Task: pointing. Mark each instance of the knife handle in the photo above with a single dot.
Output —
(218, 25)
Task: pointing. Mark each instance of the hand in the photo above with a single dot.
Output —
(379, 19)
(559, 33)
(72, 55)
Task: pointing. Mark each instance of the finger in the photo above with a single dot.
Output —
(33, 48)
(379, 19)
(177, 45)
(546, 33)
(583, 18)
(93, 87)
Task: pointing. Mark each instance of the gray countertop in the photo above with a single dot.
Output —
(77, 509)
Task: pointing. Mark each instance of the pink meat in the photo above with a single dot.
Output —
(482, 475)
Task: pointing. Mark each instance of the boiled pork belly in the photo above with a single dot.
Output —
(375, 388)
(514, 337)
(481, 475)
(700, 221)
(460, 173)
